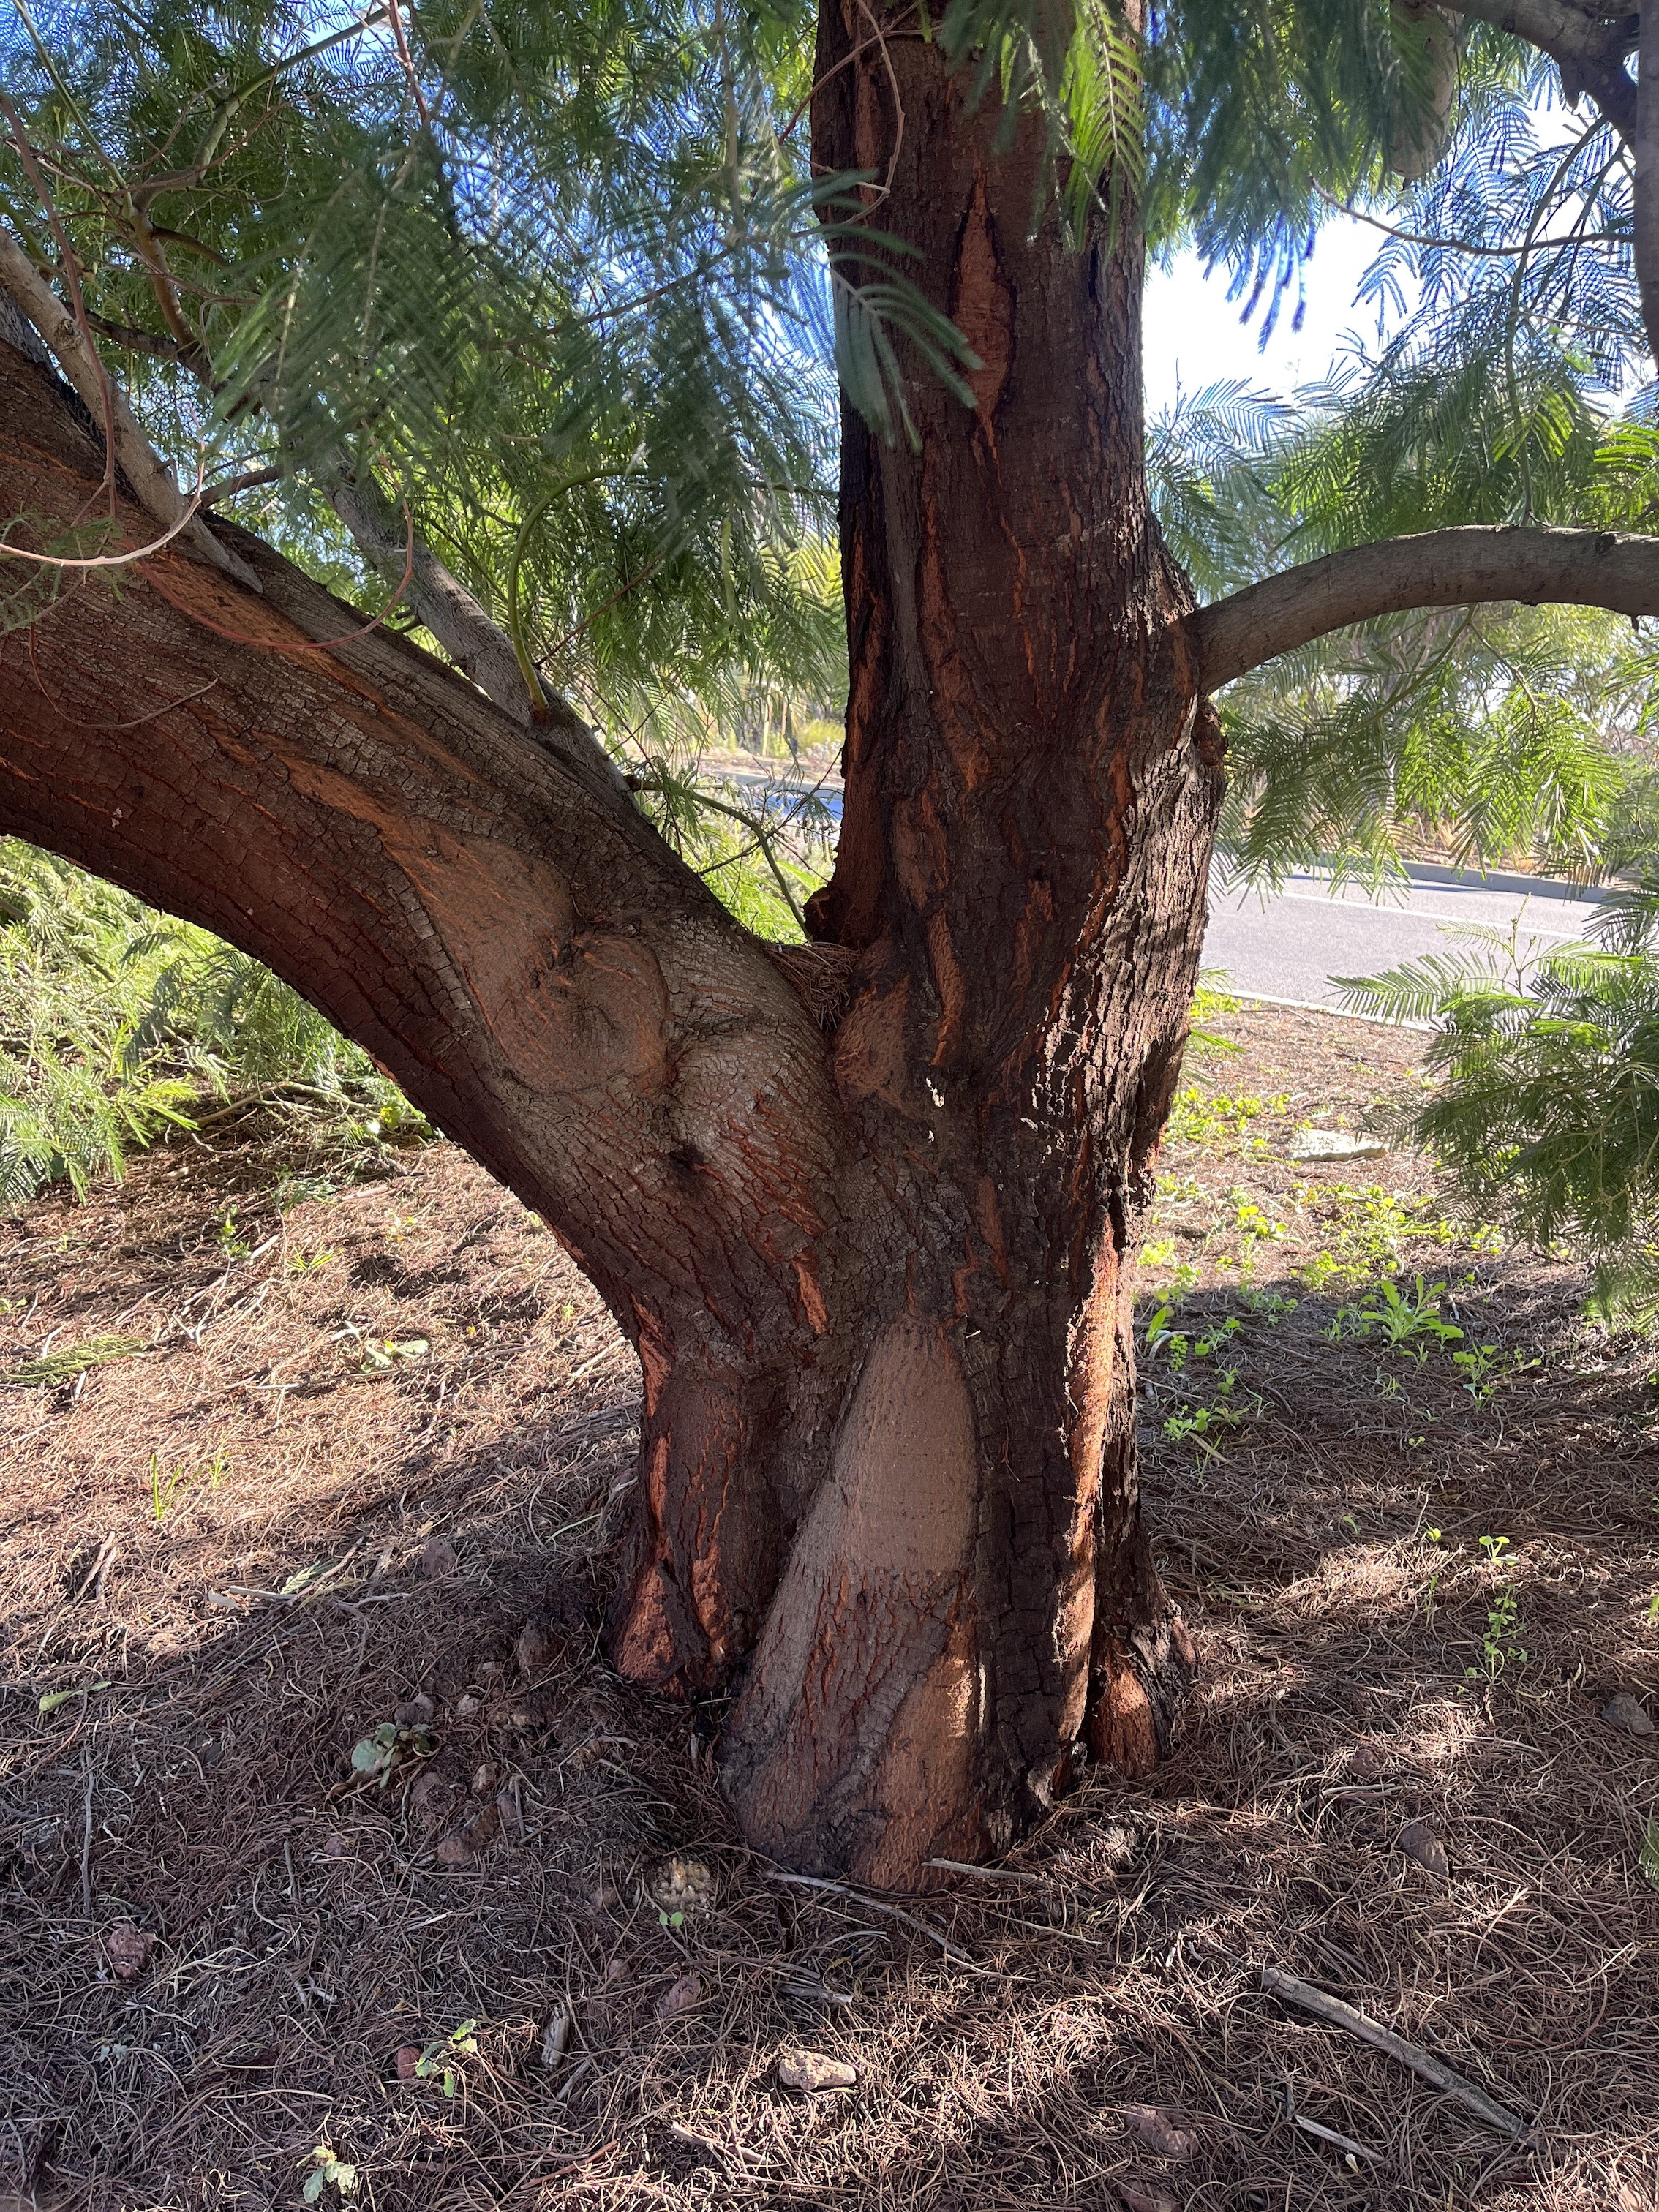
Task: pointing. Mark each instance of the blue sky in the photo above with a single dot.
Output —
(1193, 335)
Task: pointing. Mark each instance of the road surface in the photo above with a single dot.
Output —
(1290, 946)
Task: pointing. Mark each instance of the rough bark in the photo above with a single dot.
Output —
(868, 1208)
(532, 963)
(1031, 783)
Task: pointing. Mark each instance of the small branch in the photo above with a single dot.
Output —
(1436, 568)
(877, 1905)
(479, 649)
(151, 478)
(1309, 1999)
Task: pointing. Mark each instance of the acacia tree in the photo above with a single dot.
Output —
(868, 1206)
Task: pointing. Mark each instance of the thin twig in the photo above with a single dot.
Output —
(1323, 2007)
(876, 1904)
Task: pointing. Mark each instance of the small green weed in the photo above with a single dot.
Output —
(1484, 1366)
(328, 2172)
(170, 1485)
(1207, 1425)
(302, 1262)
(294, 1190)
(1500, 1645)
(382, 1354)
(445, 2055)
(1407, 1321)
(1158, 1252)
(1250, 1221)
(232, 1244)
(385, 1749)
(1213, 1117)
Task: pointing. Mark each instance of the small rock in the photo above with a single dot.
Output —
(685, 1993)
(615, 1971)
(334, 1847)
(486, 1778)
(1154, 2131)
(1367, 1762)
(1335, 1144)
(439, 1558)
(415, 1712)
(535, 1648)
(814, 2071)
(128, 1948)
(466, 1705)
(1627, 1712)
(1418, 1841)
(408, 2059)
(473, 1837)
(681, 1889)
(489, 1671)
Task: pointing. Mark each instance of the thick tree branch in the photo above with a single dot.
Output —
(1589, 49)
(1439, 568)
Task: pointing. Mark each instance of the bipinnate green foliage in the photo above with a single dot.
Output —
(117, 1024)
(1544, 1108)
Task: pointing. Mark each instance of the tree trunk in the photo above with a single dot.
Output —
(1031, 784)
(868, 1208)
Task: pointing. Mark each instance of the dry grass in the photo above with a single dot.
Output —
(308, 1926)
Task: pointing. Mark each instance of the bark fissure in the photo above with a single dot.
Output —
(867, 1208)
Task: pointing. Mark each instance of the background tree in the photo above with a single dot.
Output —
(519, 319)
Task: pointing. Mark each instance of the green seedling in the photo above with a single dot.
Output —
(1500, 1645)
(445, 2055)
(53, 1698)
(1172, 1343)
(232, 1244)
(380, 1753)
(1408, 1322)
(382, 1352)
(306, 1263)
(328, 2172)
(1484, 1366)
(1201, 1117)
(170, 1486)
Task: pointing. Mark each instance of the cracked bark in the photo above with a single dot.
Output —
(867, 1208)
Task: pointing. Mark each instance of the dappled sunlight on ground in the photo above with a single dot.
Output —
(361, 1482)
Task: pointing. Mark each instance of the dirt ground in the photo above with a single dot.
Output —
(356, 1481)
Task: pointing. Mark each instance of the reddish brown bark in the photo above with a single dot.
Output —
(869, 1209)
(1031, 786)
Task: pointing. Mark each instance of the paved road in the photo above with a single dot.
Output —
(1289, 946)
